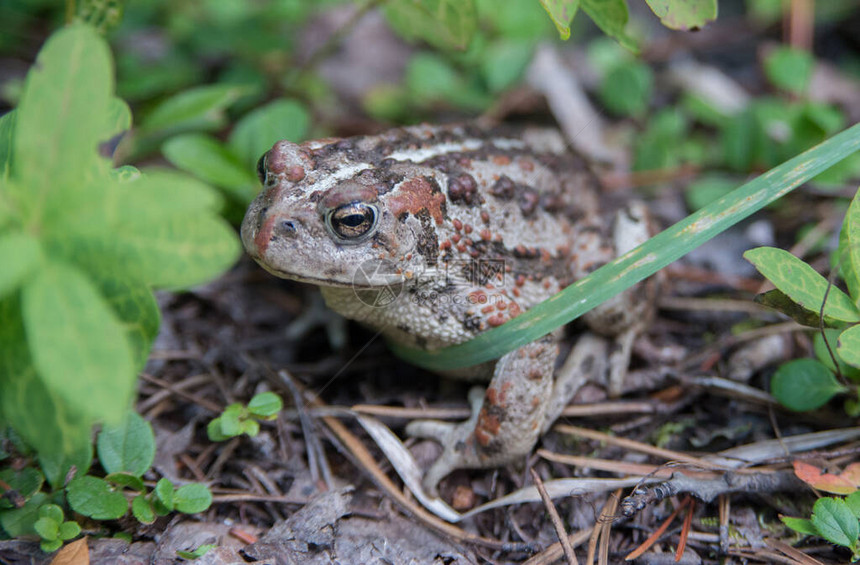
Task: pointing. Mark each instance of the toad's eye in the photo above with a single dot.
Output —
(352, 223)
(261, 168)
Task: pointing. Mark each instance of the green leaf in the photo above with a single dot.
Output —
(610, 16)
(835, 522)
(848, 346)
(823, 355)
(49, 546)
(621, 273)
(7, 136)
(69, 530)
(684, 14)
(504, 62)
(789, 69)
(19, 522)
(47, 528)
(26, 482)
(63, 114)
(561, 12)
(128, 446)
(35, 412)
(94, 497)
(849, 249)
(21, 254)
(164, 493)
(193, 498)
(206, 158)
(200, 108)
(250, 427)
(626, 89)
(197, 553)
(231, 420)
(802, 283)
(52, 512)
(852, 501)
(137, 310)
(265, 404)
(657, 147)
(126, 480)
(804, 384)
(71, 331)
(780, 301)
(213, 431)
(142, 509)
(258, 130)
(446, 24)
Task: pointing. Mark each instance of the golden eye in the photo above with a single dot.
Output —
(352, 223)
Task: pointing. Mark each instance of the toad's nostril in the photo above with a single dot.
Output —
(287, 228)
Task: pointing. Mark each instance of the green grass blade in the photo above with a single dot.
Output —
(642, 262)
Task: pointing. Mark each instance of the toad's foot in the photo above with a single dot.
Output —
(505, 421)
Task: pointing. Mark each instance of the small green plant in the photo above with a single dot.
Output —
(125, 451)
(83, 244)
(238, 419)
(809, 298)
(834, 518)
(197, 553)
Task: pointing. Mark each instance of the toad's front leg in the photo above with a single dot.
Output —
(505, 423)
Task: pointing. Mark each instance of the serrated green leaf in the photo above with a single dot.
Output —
(71, 330)
(35, 412)
(852, 501)
(21, 254)
(265, 404)
(47, 528)
(7, 136)
(205, 157)
(63, 114)
(610, 16)
(164, 493)
(128, 446)
(684, 14)
(848, 346)
(142, 509)
(849, 249)
(804, 384)
(258, 130)
(835, 522)
(69, 530)
(446, 24)
(126, 480)
(561, 12)
(802, 283)
(193, 498)
(789, 69)
(52, 512)
(19, 522)
(94, 497)
(26, 482)
(200, 108)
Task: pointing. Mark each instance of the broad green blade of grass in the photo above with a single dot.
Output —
(642, 262)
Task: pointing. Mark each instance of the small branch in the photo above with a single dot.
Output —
(556, 520)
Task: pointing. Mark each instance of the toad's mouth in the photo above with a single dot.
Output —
(356, 283)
